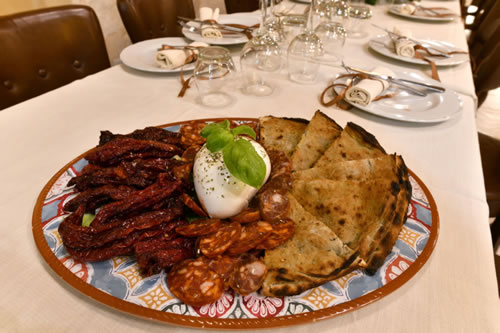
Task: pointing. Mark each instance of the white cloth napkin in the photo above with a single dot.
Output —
(208, 30)
(403, 46)
(407, 9)
(174, 58)
(367, 89)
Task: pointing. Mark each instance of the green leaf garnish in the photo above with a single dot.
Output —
(87, 219)
(244, 130)
(240, 156)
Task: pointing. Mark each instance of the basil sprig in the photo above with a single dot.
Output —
(240, 157)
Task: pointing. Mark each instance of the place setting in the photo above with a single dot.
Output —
(424, 13)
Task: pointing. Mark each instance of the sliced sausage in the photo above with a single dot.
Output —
(222, 265)
(246, 216)
(194, 283)
(252, 234)
(214, 244)
(248, 275)
(282, 232)
(274, 205)
(190, 134)
(199, 227)
(189, 202)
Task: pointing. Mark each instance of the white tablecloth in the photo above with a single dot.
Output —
(456, 290)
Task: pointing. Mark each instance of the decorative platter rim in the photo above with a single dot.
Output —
(225, 323)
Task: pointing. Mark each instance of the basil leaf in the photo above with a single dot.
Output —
(244, 163)
(210, 128)
(244, 129)
(87, 219)
(218, 139)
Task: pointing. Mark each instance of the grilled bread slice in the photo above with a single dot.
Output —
(281, 133)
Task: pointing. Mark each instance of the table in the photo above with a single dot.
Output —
(455, 291)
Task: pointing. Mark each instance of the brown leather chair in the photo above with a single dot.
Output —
(236, 6)
(44, 49)
(148, 19)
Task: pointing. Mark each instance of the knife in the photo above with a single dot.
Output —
(398, 81)
(237, 28)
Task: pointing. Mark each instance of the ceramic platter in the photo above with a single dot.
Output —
(118, 284)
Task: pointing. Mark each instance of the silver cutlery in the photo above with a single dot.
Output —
(398, 81)
(439, 52)
(227, 27)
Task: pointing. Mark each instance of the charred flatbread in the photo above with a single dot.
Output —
(281, 133)
(317, 137)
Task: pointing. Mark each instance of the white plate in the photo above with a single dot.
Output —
(432, 108)
(239, 18)
(142, 55)
(395, 10)
(383, 45)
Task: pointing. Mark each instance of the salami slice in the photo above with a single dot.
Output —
(190, 133)
(194, 283)
(251, 235)
(274, 205)
(246, 216)
(222, 265)
(248, 275)
(214, 244)
(199, 227)
(189, 202)
(282, 232)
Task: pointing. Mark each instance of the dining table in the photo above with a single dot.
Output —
(455, 291)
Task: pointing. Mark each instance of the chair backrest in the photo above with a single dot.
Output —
(148, 19)
(44, 49)
(236, 6)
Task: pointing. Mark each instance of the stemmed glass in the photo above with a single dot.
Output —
(261, 56)
(303, 53)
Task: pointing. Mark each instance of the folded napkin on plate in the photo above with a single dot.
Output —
(208, 30)
(403, 45)
(367, 89)
(408, 9)
(173, 58)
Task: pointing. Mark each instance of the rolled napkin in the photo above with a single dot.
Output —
(171, 58)
(208, 30)
(408, 9)
(403, 45)
(366, 90)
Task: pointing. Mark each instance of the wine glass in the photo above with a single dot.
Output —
(332, 35)
(260, 57)
(358, 18)
(213, 73)
(273, 26)
(303, 53)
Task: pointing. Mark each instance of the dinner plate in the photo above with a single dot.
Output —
(142, 55)
(238, 18)
(383, 45)
(117, 282)
(433, 108)
(395, 10)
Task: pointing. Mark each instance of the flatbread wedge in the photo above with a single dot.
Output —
(313, 256)
(281, 133)
(317, 137)
(354, 143)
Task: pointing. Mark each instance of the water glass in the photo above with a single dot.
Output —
(213, 74)
(358, 19)
(332, 35)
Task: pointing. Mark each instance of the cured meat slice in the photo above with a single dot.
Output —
(190, 153)
(200, 227)
(251, 235)
(281, 232)
(193, 282)
(217, 243)
(190, 134)
(222, 265)
(274, 205)
(189, 202)
(246, 216)
(248, 275)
